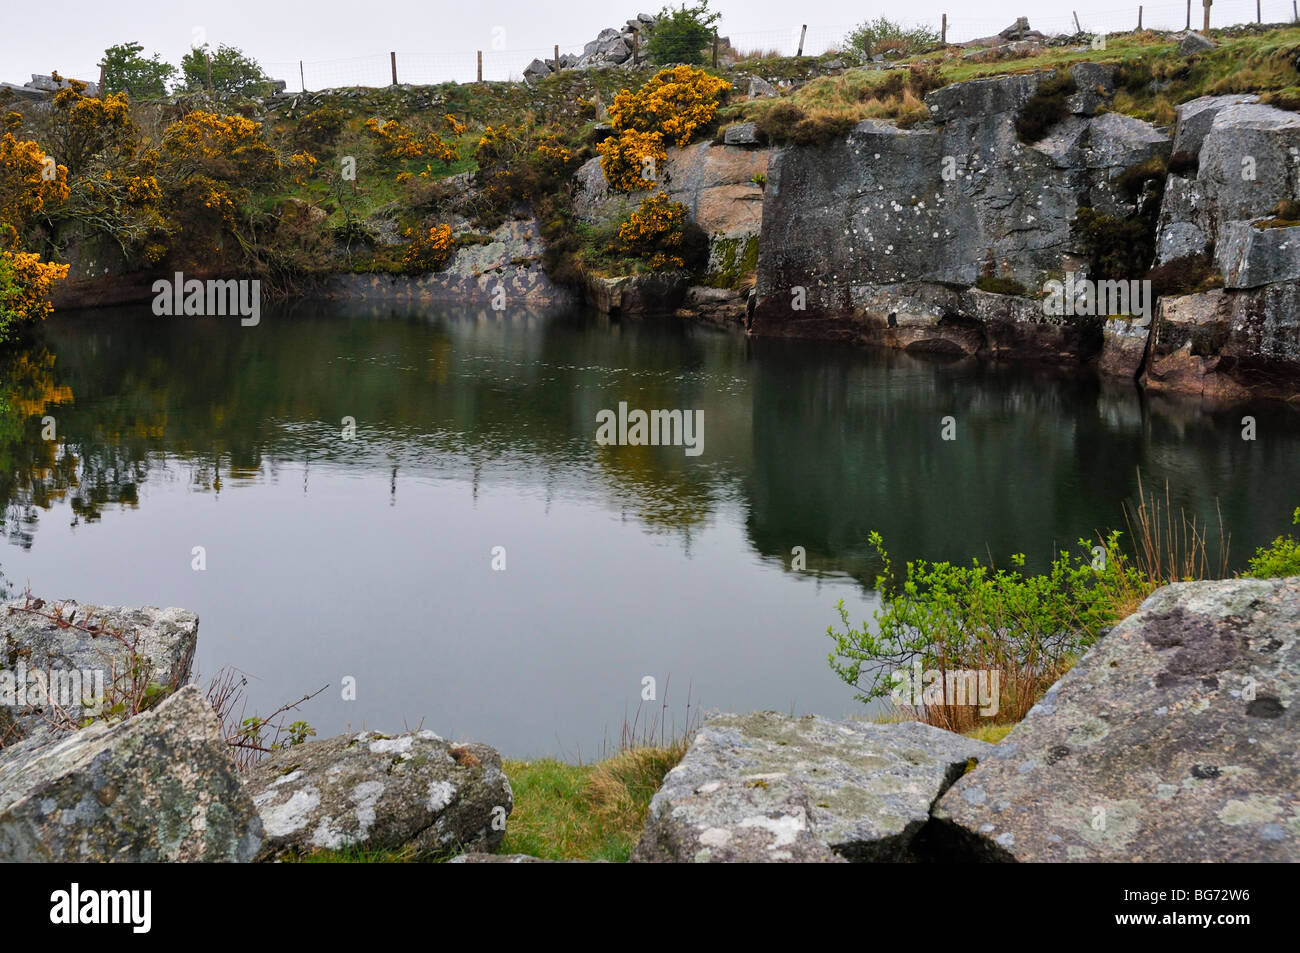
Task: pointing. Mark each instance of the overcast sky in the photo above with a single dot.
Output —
(345, 41)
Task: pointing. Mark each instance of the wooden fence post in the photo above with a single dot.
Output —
(102, 91)
(392, 58)
(480, 61)
(1188, 28)
(802, 34)
(943, 31)
(1077, 28)
(1257, 16)
(715, 49)
(557, 57)
(302, 76)
(208, 61)
(1206, 30)
(1139, 19)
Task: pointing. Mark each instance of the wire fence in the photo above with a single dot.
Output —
(379, 69)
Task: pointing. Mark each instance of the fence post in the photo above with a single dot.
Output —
(943, 31)
(102, 91)
(802, 34)
(1257, 17)
(1077, 28)
(1295, 14)
(635, 47)
(715, 49)
(1139, 19)
(208, 61)
(557, 57)
(1206, 30)
(392, 58)
(1188, 28)
(480, 61)
(302, 77)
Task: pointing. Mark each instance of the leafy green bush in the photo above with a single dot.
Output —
(1116, 248)
(680, 35)
(1280, 558)
(1028, 628)
(883, 35)
(126, 71)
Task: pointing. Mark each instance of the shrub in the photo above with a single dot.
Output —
(428, 250)
(777, 122)
(233, 73)
(1116, 248)
(25, 191)
(1045, 108)
(1281, 558)
(883, 35)
(942, 616)
(396, 141)
(25, 289)
(1184, 276)
(630, 161)
(1184, 163)
(680, 35)
(675, 102)
(320, 127)
(126, 71)
(660, 231)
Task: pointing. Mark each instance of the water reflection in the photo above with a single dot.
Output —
(475, 429)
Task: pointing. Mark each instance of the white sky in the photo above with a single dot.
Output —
(436, 41)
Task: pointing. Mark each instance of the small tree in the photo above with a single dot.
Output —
(680, 35)
(233, 73)
(126, 71)
(883, 35)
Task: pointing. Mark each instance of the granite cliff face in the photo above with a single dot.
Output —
(943, 237)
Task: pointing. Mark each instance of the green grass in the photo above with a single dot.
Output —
(562, 811)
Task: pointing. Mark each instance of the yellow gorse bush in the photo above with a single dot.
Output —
(26, 190)
(429, 249)
(656, 231)
(670, 108)
(398, 142)
(25, 287)
(631, 161)
(675, 102)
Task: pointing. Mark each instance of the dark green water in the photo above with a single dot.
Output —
(372, 557)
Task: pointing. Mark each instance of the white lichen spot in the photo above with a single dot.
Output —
(281, 819)
(784, 829)
(715, 837)
(440, 795)
(392, 745)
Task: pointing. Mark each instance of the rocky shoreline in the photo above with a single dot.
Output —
(1171, 740)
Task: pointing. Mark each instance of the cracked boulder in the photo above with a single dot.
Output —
(1173, 740)
(409, 792)
(77, 665)
(770, 787)
(159, 786)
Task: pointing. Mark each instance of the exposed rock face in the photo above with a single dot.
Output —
(160, 786)
(1227, 345)
(409, 791)
(886, 221)
(1172, 740)
(1123, 348)
(768, 787)
(512, 260)
(652, 293)
(1190, 44)
(718, 184)
(31, 642)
